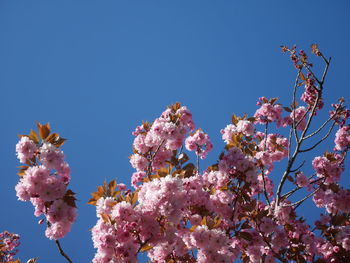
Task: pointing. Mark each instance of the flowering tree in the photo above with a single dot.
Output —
(8, 246)
(237, 208)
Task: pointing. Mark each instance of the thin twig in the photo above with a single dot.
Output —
(301, 119)
(313, 75)
(62, 252)
(296, 151)
(262, 169)
(326, 68)
(197, 163)
(324, 124)
(296, 204)
(288, 194)
(294, 105)
(324, 138)
(289, 142)
(296, 169)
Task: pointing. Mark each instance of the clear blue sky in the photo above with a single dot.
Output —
(96, 69)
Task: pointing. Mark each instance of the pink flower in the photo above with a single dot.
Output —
(342, 138)
(269, 113)
(302, 180)
(25, 149)
(138, 162)
(200, 143)
(245, 127)
(51, 157)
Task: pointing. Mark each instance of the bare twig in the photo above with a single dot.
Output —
(303, 117)
(324, 124)
(296, 151)
(324, 138)
(294, 105)
(288, 194)
(296, 204)
(62, 252)
(262, 169)
(198, 163)
(326, 68)
(313, 75)
(264, 184)
(296, 169)
(289, 142)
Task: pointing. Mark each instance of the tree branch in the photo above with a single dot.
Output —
(324, 138)
(62, 252)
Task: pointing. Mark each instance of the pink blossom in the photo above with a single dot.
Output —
(25, 149)
(269, 113)
(51, 157)
(245, 127)
(200, 143)
(139, 162)
(302, 180)
(342, 138)
(228, 132)
(136, 178)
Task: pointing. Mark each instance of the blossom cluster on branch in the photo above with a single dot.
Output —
(238, 208)
(44, 179)
(231, 209)
(8, 246)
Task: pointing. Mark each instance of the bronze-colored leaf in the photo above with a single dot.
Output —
(92, 201)
(112, 186)
(234, 119)
(33, 136)
(193, 228)
(69, 198)
(106, 218)
(190, 170)
(52, 137)
(60, 142)
(290, 178)
(273, 100)
(101, 189)
(44, 130)
(145, 247)
(183, 157)
(217, 222)
(204, 221)
(134, 198)
(287, 109)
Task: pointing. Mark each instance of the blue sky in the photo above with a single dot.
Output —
(96, 69)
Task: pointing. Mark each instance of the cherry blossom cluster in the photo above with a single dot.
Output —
(274, 148)
(200, 143)
(154, 143)
(8, 246)
(298, 116)
(245, 127)
(44, 180)
(238, 208)
(231, 210)
(268, 111)
(342, 138)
